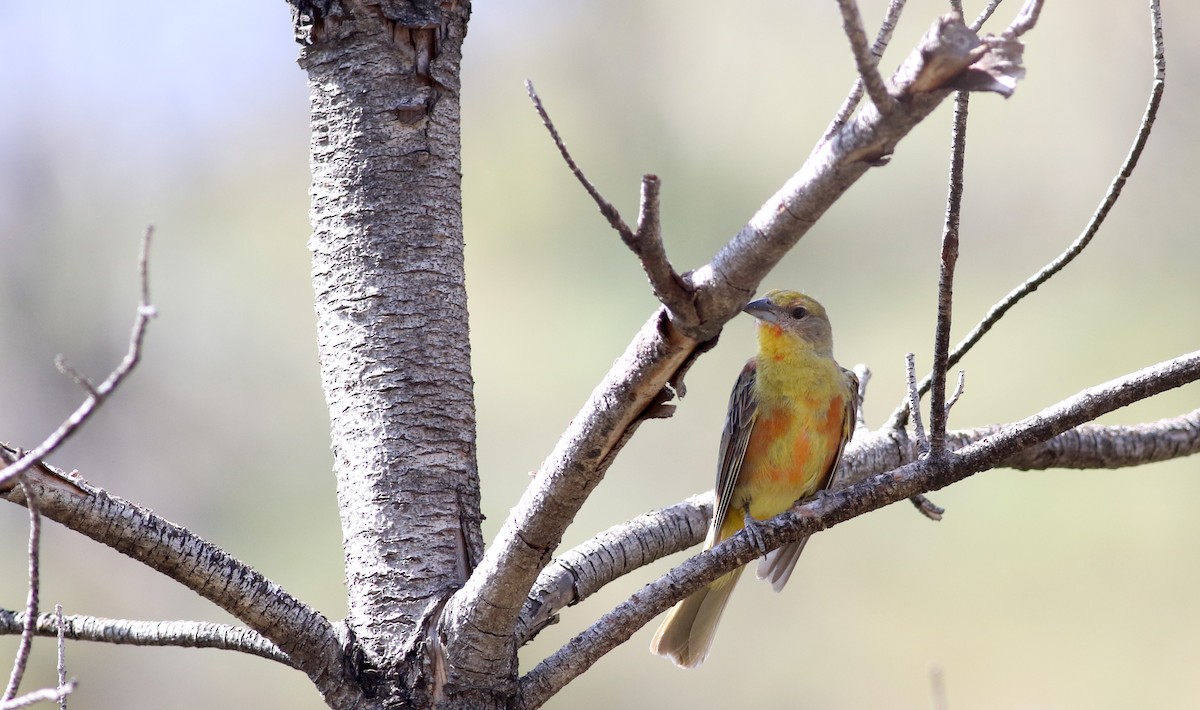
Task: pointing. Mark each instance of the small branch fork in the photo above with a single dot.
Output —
(97, 395)
(646, 242)
(900, 416)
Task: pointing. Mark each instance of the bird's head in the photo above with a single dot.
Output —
(796, 314)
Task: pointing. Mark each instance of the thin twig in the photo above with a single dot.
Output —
(937, 683)
(39, 696)
(99, 394)
(606, 208)
(987, 13)
(863, 373)
(61, 630)
(945, 297)
(866, 61)
(997, 312)
(959, 388)
(646, 242)
(1028, 17)
(895, 7)
(927, 507)
(920, 502)
(31, 603)
(647, 245)
(914, 404)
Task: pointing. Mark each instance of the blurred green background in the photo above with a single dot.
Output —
(1039, 590)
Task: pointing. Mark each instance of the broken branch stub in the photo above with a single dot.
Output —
(952, 56)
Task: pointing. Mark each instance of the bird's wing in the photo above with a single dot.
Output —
(739, 421)
(849, 421)
(776, 567)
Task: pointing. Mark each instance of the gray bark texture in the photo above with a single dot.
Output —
(387, 249)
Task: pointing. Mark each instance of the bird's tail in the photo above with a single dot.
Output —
(686, 635)
(778, 564)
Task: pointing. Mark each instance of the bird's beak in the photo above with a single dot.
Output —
(761, 308)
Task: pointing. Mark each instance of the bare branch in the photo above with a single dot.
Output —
(96, 395)
(46, 695)
(993, 316)
(985, 14)
(127, 632)
(60, 631)
(33, 587)
(606, 208)
(1088, 446)
(863, 373)
(914, 403)
(927, 507)
(301, 633)
(837, 506)
(895, 7)
(578, 573)
(959, 388)
(646, 243)
(938, 410)
(1028, 17)
(866, 61)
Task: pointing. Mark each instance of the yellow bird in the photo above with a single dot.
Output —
(790, 415)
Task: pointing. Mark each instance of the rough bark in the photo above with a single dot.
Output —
(387, 250)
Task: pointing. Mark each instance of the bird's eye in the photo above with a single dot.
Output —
(799, 312)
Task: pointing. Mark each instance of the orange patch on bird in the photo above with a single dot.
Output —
(833, 417)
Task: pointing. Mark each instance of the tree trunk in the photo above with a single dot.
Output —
(387, 248)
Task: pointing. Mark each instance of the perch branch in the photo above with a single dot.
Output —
(837, 506)
(1088, 446)
(578, 573)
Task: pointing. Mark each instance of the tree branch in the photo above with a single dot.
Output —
(895, 7)
(182, 634)
(46, 695)
(834, 507)
(98, 394)
(900, 414)
(938, 411)
(585, 569)
(588, 567)
(646, 242)
(487, 607)
(33, 587)
(864, 58)
(300, 632)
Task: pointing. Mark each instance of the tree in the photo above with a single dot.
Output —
(384, 170)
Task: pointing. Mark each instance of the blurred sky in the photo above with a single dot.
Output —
(1043, 589)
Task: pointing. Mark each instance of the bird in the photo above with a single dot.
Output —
(790, 415)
